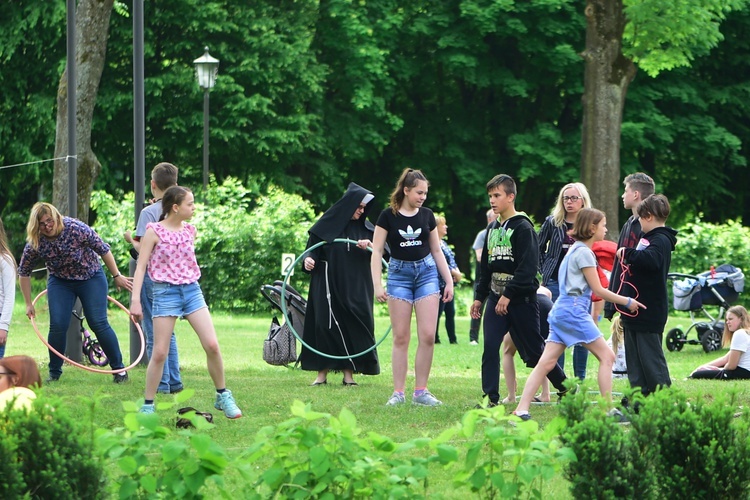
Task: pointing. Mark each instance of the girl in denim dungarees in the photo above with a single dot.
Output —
(570, 319)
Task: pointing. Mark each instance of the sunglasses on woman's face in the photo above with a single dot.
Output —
(571, 198)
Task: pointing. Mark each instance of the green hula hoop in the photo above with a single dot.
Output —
(286, 314)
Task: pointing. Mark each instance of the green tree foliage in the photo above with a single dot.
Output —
(314, 94)
(32, 58)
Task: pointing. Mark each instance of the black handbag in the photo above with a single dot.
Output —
(280, 347)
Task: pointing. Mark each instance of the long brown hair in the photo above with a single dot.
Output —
(409, 179)
(23, 371)
(39, 210)
(4, 248)
(175, 195)
(744, 317)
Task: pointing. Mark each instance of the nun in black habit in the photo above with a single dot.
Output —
(339, 315)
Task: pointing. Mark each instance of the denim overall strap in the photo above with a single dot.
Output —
(562, 275)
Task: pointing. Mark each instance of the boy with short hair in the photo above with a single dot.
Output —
(508, 282)
(646, 268)
(163, 176)
(638, 187)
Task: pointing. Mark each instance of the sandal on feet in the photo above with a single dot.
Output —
(507, 400)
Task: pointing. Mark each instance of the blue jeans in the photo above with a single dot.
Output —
(580, 353)
(412, 280)
(170, 378)
(61, 297)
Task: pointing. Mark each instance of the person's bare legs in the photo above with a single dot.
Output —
(348, 376)
(201, 322)
(163, 328)
(322, 377)
(552, 351)
(509, 368)
(426, 310)
(400, 313)
(509, 372)
(606, 357)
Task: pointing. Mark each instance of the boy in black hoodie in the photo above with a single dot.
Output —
(508, 276)
(645, 279)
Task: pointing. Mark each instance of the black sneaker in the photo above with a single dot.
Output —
(52, 378)
(490, 404)
(523, 416)
(119, 378)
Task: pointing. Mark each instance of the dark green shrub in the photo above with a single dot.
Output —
(671, 449)
(11, 480)
(700, 450)
(53, 452)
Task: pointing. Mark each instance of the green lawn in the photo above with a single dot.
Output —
(265, 392)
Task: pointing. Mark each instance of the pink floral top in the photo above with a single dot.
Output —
(173, 258)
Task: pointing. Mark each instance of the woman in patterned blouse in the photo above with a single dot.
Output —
(70, 249)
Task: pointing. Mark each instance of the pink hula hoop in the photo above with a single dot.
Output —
(79, 365)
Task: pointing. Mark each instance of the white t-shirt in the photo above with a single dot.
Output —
(741, 342)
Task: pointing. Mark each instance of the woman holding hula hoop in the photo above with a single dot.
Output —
(339, 319)
(411, 233)
(71, 251)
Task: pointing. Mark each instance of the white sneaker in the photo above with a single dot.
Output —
(396, 399)
(473, 342)
(426, 399)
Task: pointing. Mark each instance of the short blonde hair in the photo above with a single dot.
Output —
(39, 210)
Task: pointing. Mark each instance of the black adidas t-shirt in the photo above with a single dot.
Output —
(408, 237)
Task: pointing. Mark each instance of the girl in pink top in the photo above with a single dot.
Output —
(168, 251)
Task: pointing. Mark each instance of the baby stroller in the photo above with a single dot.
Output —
(718, 287)
(280, 348)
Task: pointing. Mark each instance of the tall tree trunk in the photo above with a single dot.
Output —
(92, 32)
(606, 78)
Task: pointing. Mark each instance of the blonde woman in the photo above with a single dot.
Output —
(554, 241)
(71, 250)
(736, 363)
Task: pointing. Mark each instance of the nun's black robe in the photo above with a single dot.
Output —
(339, 316)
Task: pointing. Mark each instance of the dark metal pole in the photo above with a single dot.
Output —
(205, 144)
(72, 149)
(73, 339)
(139, 145)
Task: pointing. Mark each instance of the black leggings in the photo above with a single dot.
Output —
(736, 374)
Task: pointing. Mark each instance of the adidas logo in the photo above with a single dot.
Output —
(411, 237)
(410, 234)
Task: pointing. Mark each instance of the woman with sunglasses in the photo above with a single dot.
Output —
(554, 241)
(71, 250)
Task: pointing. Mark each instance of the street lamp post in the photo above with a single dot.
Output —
(206, 69)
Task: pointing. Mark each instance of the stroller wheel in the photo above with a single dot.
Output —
(711, 340)
(675, 339)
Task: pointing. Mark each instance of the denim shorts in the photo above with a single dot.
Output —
(177, 300)
(412, 280)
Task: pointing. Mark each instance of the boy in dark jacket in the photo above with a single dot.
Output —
(638, 187)
(645, 278)
(508, 282)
